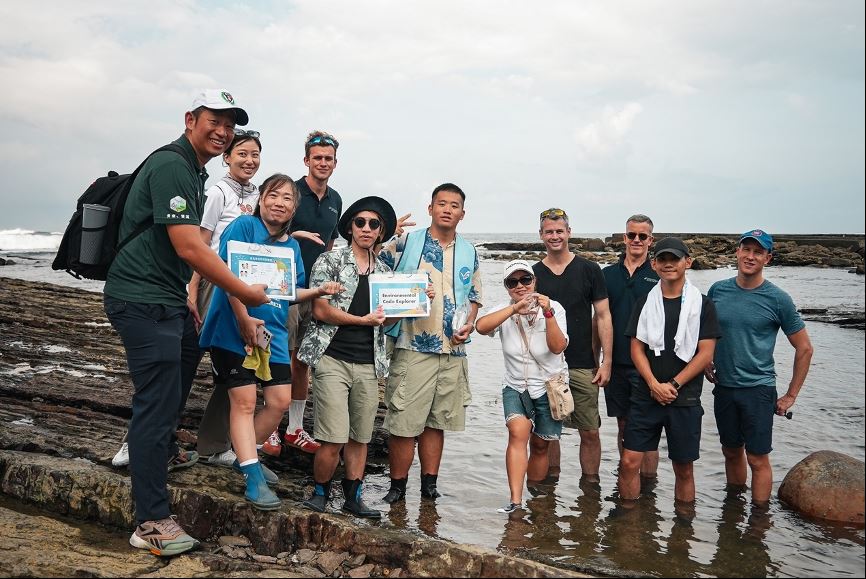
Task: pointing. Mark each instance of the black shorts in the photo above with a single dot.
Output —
(617, 393)
(744, 416)
(682, 426)
(228, 370)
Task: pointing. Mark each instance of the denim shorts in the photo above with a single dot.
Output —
(744, 416)
(537, 410)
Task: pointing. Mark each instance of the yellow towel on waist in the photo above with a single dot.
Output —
(260, 361)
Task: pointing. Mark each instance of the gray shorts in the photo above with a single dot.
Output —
(346, 399)
(426, 390)
(300, 316)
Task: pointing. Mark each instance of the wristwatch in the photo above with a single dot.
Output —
(549, 313)
(675, 384)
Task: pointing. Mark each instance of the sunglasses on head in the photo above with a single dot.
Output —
(642, 236)
(322, 139)
(511, 282)
(553, 214)
(360, 222)
(244, 133)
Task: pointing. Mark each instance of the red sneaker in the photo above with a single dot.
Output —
(301, 440)
(272, 445)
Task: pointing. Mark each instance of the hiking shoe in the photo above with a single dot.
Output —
(226, 458)
(509, 508)
(301, 440)
(122, 456)
(183, 459)
(163, 538)
(270, 476)
(272, 445)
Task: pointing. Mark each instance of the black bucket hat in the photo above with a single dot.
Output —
(375, 204)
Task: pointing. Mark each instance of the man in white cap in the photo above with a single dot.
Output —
(146, 302)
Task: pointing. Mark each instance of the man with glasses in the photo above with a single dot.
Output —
(314, 226)
(346, 346)
(428, 383)
(146, 303)
(628, 281)
(578, 285)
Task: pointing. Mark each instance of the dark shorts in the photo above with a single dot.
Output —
(617, 393)
(228, 371)
(682, 426)
(744, 416)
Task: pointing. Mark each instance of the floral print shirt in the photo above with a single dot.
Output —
(432, 335)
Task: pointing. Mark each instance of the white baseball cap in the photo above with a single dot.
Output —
(517, 265)
(220, 100)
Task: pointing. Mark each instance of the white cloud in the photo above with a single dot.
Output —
(606, 137)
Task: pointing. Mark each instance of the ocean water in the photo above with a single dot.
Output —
(574, 524)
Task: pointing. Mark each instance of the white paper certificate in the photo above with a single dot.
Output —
(265, 264)
(402, 295)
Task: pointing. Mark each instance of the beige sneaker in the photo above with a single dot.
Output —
(163, 538)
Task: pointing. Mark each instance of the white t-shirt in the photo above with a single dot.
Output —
(521, 369)
(223, 206)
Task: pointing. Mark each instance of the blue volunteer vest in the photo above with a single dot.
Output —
(463, 267)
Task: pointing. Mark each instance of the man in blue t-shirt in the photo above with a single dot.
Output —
(751, 311)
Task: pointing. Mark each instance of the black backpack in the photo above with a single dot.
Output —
(110, 191)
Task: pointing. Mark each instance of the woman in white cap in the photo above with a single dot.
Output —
(532, 328)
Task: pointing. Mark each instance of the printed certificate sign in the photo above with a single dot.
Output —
(402, 295)
(265, 264)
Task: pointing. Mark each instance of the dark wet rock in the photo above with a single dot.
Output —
(846, 318)
(827, 485)
(593, 245)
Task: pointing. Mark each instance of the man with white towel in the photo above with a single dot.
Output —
(673, 334)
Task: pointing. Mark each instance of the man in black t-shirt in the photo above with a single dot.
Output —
(578, 285)
(673, 334)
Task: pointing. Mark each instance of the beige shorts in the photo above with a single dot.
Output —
(300, 316)
(346, 400)
(585, 395)
(426, 390)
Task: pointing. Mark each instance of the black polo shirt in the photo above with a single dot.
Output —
(623, 292)
(316, 216)
(580, 284)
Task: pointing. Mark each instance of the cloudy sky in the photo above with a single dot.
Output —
(712, 116)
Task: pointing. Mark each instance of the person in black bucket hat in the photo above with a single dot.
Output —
(345, 346)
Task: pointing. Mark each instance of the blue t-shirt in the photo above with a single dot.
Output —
(220, 326)
(750, 320)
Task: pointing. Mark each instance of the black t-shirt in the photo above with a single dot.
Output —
(316, 216)
(668, 364)
(580, 284)
(355, 343)
(623, 292)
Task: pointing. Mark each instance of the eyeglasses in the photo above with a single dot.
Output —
(553, 214)
(360, 222)
(322, 139)
(511, 282)
(250, 134)
(642, 236)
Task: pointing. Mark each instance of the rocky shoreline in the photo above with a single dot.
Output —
(711, 251)
(64, 405)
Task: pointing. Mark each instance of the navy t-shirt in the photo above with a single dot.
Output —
(316, 216)
(623, 292)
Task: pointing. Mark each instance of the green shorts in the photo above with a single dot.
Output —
(426, 390)
(585, 395)
(346, 400)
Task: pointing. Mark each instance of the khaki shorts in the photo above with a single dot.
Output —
(346, 399)
(300, 316)
(426, 390)
(585, 395)
(203, 297)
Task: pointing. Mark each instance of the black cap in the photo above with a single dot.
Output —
(375, 204)
(672, 245)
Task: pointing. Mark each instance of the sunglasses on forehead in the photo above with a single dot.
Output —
(250, 134)
(322, 139)
(511, 282)
(360, 222)
(642, 236)
(552, 214)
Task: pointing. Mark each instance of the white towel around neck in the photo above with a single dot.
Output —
(651, 324)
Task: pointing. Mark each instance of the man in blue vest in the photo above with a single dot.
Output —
(428, 383)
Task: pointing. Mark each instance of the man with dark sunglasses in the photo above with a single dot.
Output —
(578, 285)
(346, 346)
(314, 226)
(628, 281)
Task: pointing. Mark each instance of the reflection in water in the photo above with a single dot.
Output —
(428, 518)
(741, 550)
